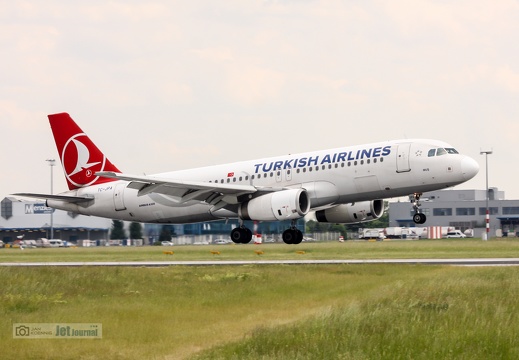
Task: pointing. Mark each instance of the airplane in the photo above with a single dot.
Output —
(341, 185)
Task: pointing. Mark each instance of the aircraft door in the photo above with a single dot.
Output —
(119, 197)
(402, 158)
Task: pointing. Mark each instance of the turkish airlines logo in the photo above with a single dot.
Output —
(81, 160)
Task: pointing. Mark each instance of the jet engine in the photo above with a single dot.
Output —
(352, 213)
(279, 205)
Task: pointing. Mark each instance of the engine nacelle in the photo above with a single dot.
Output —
(279, 205)
(352, 213)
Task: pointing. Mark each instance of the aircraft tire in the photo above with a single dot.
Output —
(248, 236)
(241, 235)
(292, 236)
(299, 237)
(288, 236)
(419, 218)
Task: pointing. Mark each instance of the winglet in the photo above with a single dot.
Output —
(80, 157)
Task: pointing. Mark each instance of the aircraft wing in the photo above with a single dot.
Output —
(219, 195)
(70, 199)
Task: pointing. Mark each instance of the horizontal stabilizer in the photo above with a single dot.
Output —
(70, 199)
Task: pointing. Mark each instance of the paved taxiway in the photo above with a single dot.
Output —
(459, 262)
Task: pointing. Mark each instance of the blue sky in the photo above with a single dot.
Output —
(166, 85)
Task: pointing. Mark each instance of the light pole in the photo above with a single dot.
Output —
(487, 218)
(51, 162)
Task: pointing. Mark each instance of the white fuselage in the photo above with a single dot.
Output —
(331, 177)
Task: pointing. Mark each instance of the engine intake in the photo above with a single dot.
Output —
(280, 205)
(352, 213)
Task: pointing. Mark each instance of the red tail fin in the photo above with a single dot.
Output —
(80, 158)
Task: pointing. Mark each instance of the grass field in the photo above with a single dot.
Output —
(268, 312)
(452, 248)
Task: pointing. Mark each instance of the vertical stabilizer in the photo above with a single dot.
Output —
(80, 157)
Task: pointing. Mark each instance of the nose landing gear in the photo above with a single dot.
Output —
(418, 217)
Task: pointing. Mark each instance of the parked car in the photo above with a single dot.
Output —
(29, 243)
(455, 234)
(166, 243)
(221, 241)
(53, 243)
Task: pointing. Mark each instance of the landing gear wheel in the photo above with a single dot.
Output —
(241, 235)
(419, 218)
(292, 236)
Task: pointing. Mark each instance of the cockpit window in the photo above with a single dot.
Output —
(452, 151)
(441, 151)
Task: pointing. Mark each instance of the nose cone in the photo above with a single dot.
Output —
(469, 168)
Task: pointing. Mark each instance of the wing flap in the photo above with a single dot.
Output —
(149, 184)
(217, 194)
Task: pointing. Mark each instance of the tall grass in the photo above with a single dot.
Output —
(455, 313)
(266, 312)
(164, 312)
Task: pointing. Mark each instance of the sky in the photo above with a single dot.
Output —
(169, 85)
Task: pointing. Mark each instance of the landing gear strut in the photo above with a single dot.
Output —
(418, 217)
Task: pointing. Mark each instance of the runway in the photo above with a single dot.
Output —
(457, 262)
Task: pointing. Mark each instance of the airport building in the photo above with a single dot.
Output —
(462, 209)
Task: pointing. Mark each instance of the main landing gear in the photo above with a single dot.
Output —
(292, 235)
(243, 235)
(418, 217)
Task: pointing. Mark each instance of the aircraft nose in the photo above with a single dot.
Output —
(469, 168)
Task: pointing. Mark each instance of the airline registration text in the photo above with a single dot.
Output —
(326, 159)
